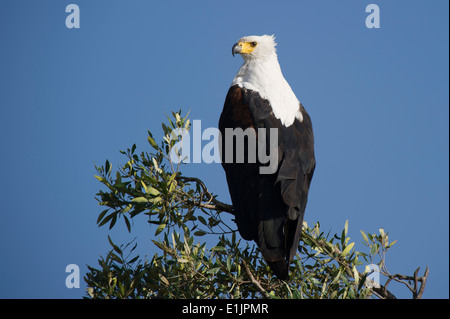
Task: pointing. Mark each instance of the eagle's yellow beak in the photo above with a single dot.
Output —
(243, 47)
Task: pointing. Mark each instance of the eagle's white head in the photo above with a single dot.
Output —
(255, 47)
(261, 73)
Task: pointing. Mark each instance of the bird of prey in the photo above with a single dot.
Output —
(269, 205)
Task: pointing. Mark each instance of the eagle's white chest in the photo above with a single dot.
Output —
(265, 77)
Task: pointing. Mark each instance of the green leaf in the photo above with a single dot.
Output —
(121, 289)
(160, 229)
(391, 244)
(107, 219)
(165, 281)
(365, 237)
(107, 167)
(127, 209)
(127, 222)
(162, 246)
(155, 200)
(113, 221)
(152, 191)
(101, 179)
(338, 276)
(351, 293)
(118, 178)
(114, 246)
(102, 214)
(356, 275)
(346, 228)
(229, 263)
(139, 200)
(152, 142)
(200, 233)
(347, 249)
(116, 258)
(202, 220)
(155, 163)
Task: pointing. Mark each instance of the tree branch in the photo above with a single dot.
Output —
(211, 201)
(416, 290)
(254, 281)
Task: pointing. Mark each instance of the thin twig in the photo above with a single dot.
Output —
(254, 281)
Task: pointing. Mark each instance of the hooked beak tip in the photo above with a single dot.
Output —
(236, 49)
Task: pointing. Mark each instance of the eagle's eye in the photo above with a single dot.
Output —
(253, 44)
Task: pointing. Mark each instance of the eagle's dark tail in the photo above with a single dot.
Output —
(278, 257)
(280, 268)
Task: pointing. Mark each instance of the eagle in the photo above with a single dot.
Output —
(269, 207)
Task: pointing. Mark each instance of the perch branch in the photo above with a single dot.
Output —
(211, 201)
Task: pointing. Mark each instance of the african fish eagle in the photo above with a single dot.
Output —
(269, 208)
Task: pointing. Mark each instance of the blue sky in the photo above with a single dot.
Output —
(71, 98)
